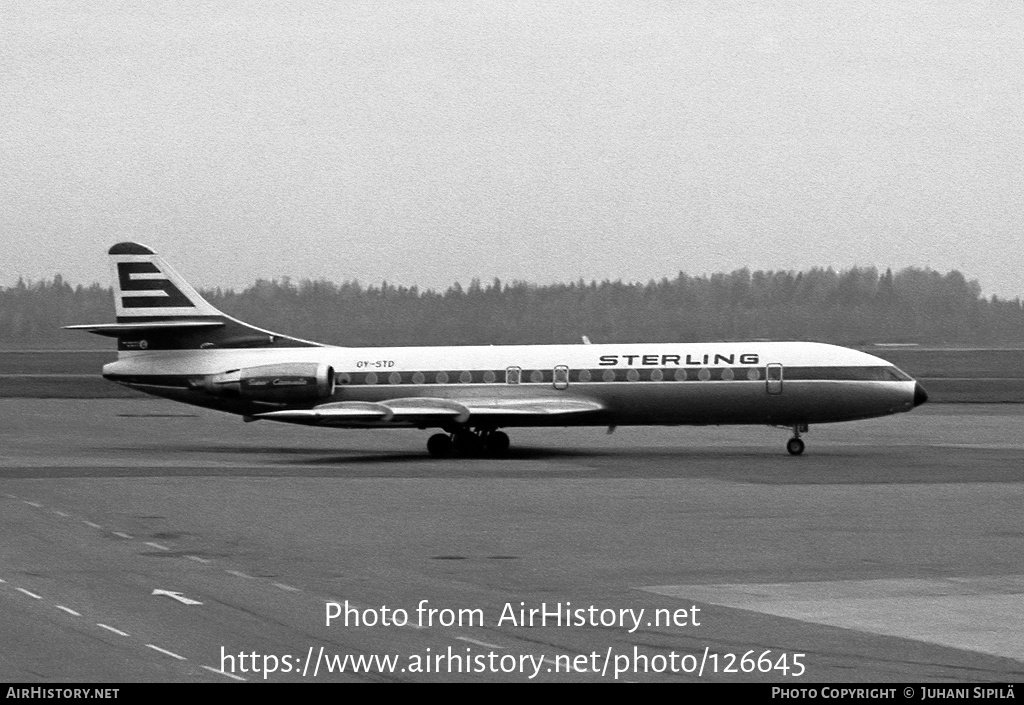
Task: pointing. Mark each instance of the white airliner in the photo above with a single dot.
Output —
(173, 343)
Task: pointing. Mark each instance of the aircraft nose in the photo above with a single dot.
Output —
(920, 396)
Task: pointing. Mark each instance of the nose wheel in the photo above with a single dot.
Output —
(795, 446)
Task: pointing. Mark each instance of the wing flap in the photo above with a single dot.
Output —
(544, 406)
(344, 411)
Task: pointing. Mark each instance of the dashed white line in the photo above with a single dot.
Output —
(95, 526)
(60, 513)
(68, 610)
(37, 505)
(2, 580)
(289, 588)
(165, 651)
(197, 559)
(211, 669)
(122, 534)
(12, 496)
(238, 574)
(112, 629)
(156, 545)
(30, 594)
(479, 643)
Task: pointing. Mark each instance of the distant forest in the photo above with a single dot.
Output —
(855, 306)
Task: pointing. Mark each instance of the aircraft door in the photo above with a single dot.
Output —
(773, 378)
(561, 377)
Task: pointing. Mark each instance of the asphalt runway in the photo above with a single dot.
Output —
(892, 550)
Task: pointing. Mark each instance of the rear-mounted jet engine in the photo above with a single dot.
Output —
(297, 381)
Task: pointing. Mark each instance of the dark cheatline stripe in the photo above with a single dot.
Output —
(584, 376)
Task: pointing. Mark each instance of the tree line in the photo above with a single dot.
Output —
(853, 306)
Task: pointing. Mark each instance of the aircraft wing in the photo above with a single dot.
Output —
(432, 411)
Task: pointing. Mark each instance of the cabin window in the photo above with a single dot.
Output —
(728, 374)
(583, 376)
(512, 375)
(536, 376)
(608, 376)
(632, 375)
(657, 375)
(704, 375)
(395, 378)
(343, 378)
(753, 374)
(680, 375)
(466, 377)
(371, 378)
(489, 377)
(442, 378)
(418, 378)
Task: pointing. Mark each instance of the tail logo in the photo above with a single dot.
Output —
(154, 289)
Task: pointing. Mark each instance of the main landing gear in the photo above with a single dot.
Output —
(795, 446)
(467, 442)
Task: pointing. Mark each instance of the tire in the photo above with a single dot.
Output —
(439, 445)
(497, 443)
(795, 446)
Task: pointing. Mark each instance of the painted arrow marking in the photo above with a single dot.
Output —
(177, 596)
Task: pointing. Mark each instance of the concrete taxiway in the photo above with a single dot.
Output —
(893, 550)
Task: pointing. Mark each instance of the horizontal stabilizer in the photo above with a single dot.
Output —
(115, 329)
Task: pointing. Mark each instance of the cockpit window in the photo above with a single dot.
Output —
(897, 375)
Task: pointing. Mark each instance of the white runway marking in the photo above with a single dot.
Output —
(238, 574)
(112, 629)
(68, 610)
(122, 534)
(37, 505)
(211, 669)
(165, 651)
(95, 526)
(60, 513)
(197, 559)
(177, 596)
(479, 643)
(289, 588)
(30, 594)
(983, 614)
(157, 546)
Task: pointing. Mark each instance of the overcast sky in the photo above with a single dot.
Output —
(432, 142)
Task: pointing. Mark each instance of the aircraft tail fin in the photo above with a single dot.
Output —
(157, 309)
(146, 287)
